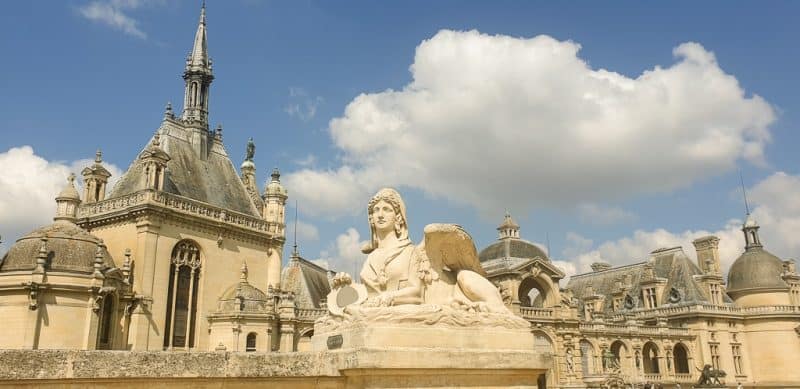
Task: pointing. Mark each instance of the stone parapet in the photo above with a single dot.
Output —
(328, 369)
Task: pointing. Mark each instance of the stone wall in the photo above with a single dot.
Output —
(429, 368)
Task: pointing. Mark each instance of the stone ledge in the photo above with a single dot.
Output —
(78, 364)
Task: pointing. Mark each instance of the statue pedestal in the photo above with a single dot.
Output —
(401, 355)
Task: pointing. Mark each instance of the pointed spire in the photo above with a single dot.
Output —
(198, 58)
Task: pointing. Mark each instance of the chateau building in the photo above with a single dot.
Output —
(184, 253)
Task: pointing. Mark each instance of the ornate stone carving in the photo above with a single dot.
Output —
(439, 282)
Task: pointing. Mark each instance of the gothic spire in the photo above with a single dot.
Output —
(199, 55)
(198, 76)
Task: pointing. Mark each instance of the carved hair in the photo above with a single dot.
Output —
(392, 197)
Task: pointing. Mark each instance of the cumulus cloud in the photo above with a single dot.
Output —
(113, 14)
(777, 200)
(500, 122)
(30, 184)
(344, 254)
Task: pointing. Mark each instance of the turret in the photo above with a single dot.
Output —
(67, 202)
(95, 178)
(275, 196)
(274, 212)
(155, 161)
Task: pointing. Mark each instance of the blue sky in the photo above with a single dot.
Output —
(82, 75)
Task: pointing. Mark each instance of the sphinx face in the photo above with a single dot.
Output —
(383, 216)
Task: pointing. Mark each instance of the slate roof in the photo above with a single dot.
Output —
(69, 248)
(756, 268)
(670, 264)
(308, 281)
(212, 180)
(511, 248)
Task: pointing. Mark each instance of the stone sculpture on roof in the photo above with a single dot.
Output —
(439, 281)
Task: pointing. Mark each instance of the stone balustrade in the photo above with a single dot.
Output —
(310, 313)
(536, 313)
(180, 204)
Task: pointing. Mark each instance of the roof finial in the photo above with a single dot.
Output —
(71, 179)
(744, 194)
(243, 276)
(203, 13)
(295, 253)
(98, 156)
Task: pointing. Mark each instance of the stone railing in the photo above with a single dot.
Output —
(182, 205)
(653, 377)
(705, 308)
(536, 313)
(644, 330)
(683, 377)
(309, 313)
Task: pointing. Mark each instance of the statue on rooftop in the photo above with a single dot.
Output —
(439, 281)
(443, 270)
(251, 150)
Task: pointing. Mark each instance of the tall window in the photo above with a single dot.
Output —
(714, 348)
(104, 341)
(650, 297)
(182, 296)
(251, 342)
(736, 350)
(650, 362)
(715, 294)
(681, 357)
(587, 355)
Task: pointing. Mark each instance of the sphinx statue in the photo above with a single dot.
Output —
(438, 281)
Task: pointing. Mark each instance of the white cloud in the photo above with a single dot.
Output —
(301, 105)
(306, 232)
(344, 254)
(777, 211)
(603, 215)
(501, 122)
(113, 14)
(30, 184)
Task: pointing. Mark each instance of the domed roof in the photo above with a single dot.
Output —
(69, 192)
(69, 248)
(243, 297)
(512, 248)
(274, 186)
(756, 268)
(248, 164)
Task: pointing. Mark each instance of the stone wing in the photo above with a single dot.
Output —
(448, 245)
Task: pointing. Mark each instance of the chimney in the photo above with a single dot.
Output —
(707, 249)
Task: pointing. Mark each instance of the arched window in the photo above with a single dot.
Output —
(620, 352)
(105, 338)
(650, 362)
(182, 296)
(251, 342)
(681, 356)
(531, 293)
